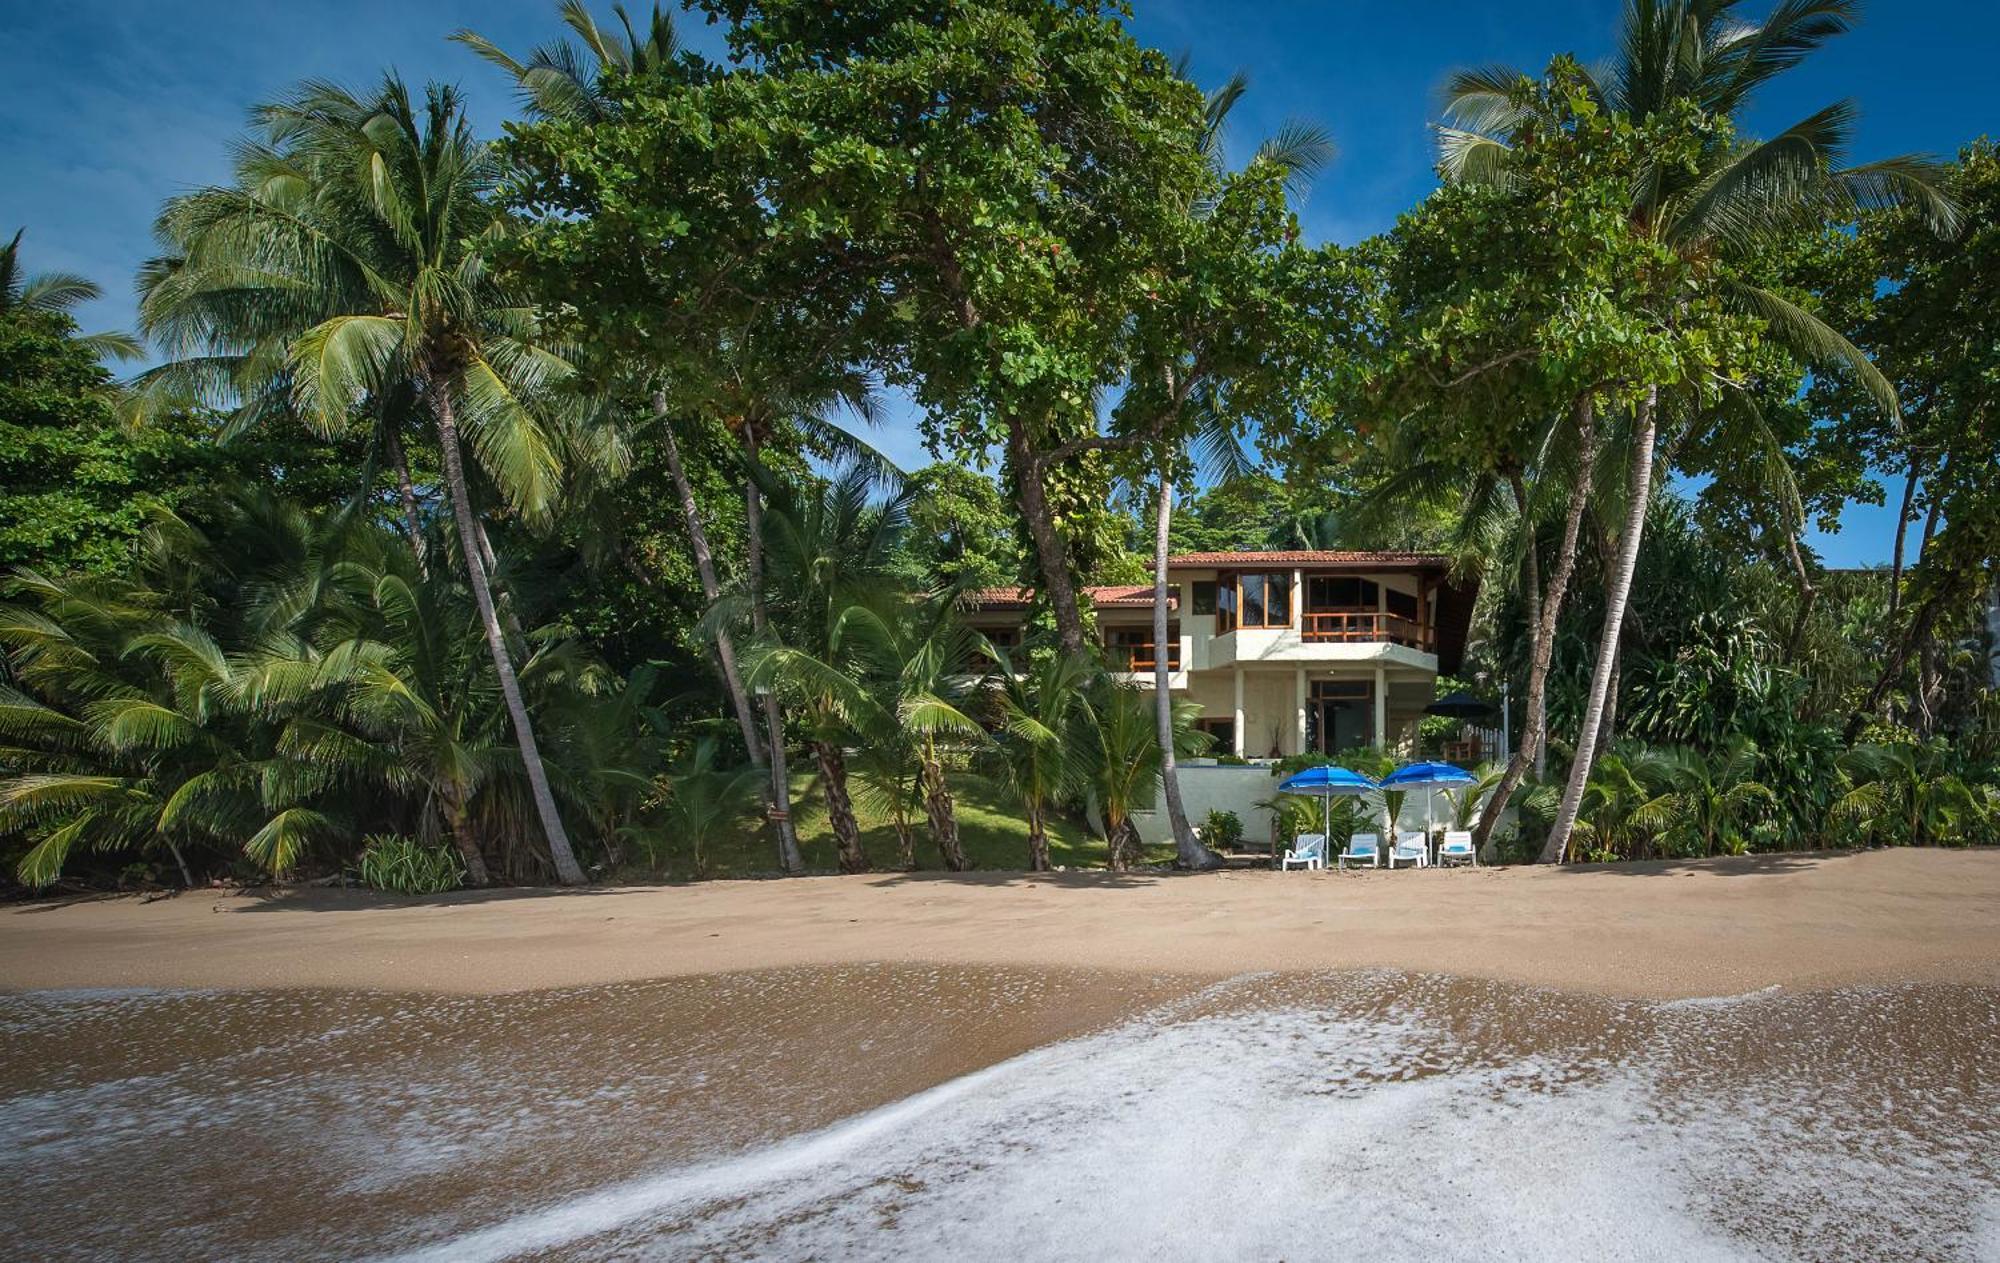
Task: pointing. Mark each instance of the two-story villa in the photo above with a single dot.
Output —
(1287, 651)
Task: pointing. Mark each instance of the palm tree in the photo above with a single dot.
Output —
(924, 649)
(57, 292)
(1122, 760)
(558, 81)
(415, 710)
(700, 798)
(1906, 793)
(1301, 150)
(1714, 801)
(351, 259)
(1038, 715)
(1735, 199)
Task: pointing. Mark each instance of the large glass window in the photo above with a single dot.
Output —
(1340, 592)
(1267, 600)
(1204, 596)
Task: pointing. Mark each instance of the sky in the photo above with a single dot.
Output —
(114, 105)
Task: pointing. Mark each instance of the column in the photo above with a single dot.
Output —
(1298, 602)
(1299, 719)
(1381, 708)
(1238, 747)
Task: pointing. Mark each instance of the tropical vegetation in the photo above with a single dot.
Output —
(497, 499)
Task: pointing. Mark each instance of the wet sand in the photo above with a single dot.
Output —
(1795, 1057)
(908, 1111)
(1713, 927)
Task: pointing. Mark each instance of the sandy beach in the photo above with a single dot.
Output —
(1663, 930)
(1694, 1061)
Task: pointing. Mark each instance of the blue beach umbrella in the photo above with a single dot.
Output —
(1427, 777)
(1327, 784)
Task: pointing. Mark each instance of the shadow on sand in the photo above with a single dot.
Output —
(1717, 865)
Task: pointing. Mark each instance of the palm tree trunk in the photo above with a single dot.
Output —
(906, 845)
(774, 711)
(1188, 852)
(503, 599)
(407, 489)
(462, 838)
(939, 807)
(1531, 580)
(1038, 838)
(1645, 427)
(840, 807)
(725, 649)
(180, 862)
(1534, 730)
(567, 869)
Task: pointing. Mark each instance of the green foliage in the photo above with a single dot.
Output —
(1222, 830)
(405, 866)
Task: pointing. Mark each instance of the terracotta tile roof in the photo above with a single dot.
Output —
(1123, 595)
(1312, 557)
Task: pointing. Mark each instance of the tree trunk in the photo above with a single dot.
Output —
(407, 489)
(1534, 729)
(942, 813)
(567, 869)
(774, 711)
(1531, 579)
(1188, 852)
(461, 837)
(1640, 493)
(1051, 557)
(1038, 839)
(1902, 533)
(180, 862)
(503, 600)
(840, 807)
(1808, 595)
(906, 845)
(725, 649)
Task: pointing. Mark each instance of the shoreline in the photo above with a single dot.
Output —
(1659, 930)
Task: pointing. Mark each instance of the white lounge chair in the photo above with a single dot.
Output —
(1457, 845)
(1362, 848)
(1410, 848)
(1308, 850)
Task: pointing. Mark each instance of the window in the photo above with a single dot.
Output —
(1225, 603)
(1266, 600)
(1204, 596)
(1342, 690)
(1340, 592)
(1131, 648)
(1222, 733)
(1403, 604)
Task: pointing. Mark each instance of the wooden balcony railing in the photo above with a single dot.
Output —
(1140, 659)
(1350, 627)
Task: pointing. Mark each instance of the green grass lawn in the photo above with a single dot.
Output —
(990, 826)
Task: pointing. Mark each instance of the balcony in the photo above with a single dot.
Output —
(1347, 627)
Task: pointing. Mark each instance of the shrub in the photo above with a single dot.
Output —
(1231, 760)
(1222, 830)
(406, 866)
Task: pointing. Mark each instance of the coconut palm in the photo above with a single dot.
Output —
(58, 292)
(1037, 714)
(1121, 755)
(1727, 205)
(351, 259)
(700, 798)
(560, 81)
(1301, 150)
(1907, 794)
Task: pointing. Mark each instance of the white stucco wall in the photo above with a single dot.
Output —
(1239, 789)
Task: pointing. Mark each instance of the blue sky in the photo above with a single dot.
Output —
(114, 105)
